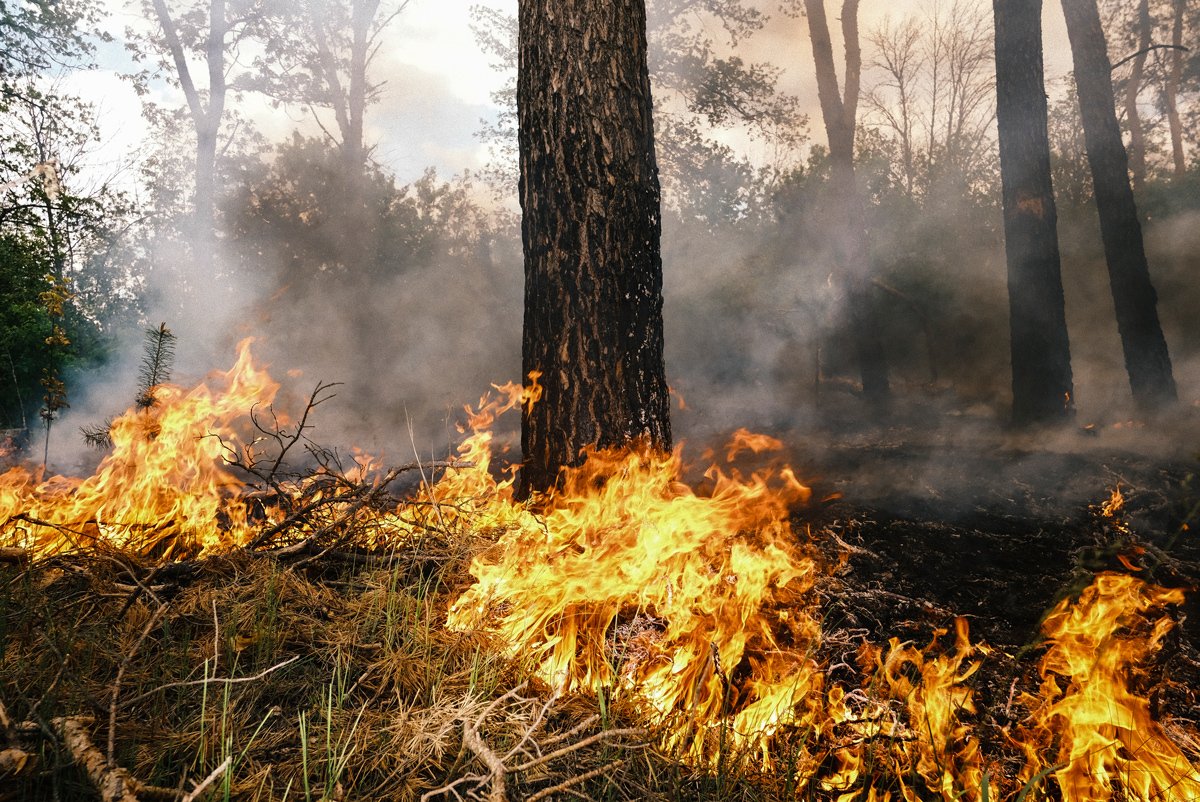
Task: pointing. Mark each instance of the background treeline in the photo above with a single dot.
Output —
(410, 293)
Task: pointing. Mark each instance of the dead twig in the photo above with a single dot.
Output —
(115, 693)
(223, 680)
(498, 769)
(578, 779)
(216, 774)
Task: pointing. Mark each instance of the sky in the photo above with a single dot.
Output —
(438, 84)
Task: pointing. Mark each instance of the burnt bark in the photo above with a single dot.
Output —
(839, 111)
(1041, 353)
(589, 195)
(1146, 357)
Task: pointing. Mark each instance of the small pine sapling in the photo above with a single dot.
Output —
(158, 356)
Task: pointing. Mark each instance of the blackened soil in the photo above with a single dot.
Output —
(922, 536)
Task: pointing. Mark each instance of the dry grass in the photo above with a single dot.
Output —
(327, 681)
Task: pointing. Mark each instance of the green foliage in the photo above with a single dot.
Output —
(295, 216)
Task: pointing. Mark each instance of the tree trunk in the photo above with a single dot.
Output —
(206, 121)
(1137, 133)
(1171, 93)
(1146, 357)
(1041, 354)
(845, 216)
(589, 194)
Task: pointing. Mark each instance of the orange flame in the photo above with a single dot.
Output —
(1108, 740)
(698, 606)
(164, 483)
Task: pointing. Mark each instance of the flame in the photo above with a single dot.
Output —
(1108, 741)
(698, 604)
(627, 578)
(165, 482)
(1113, 504)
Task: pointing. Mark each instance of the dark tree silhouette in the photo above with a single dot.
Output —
(1146, 356)
(839, 113)
(589, 194)
(1041, 353)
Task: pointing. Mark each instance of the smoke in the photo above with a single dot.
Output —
(756, 333)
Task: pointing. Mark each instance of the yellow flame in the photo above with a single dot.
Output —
(696, 603)
(165, 482)
(1108, 739)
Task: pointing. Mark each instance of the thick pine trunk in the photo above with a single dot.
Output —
(1146, 357)
(589, 194)
(1041, 354)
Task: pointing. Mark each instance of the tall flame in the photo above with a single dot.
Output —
(697, 604)
(165, 482)
(1107, 738)
(627, 578)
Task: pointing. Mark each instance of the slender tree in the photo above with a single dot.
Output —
(1133, 115)
(1146, 358)
(207, 34)
(206, 113)
(589, 194)
(839, 112)
(1041, 354)
(1171, 88)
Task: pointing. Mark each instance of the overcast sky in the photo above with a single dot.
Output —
(438, 83)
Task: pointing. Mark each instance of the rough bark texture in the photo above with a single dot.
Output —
(839, 110)
(1041, 354)
(1146, 356)
(590, 197)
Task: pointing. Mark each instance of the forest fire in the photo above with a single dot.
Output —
(698, 605)
(165, 483)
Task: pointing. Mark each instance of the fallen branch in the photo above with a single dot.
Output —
(216, 774)
(114, 784)
(358, 497)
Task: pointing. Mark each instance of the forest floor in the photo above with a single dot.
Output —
(282, 677)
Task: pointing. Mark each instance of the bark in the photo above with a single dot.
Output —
(1041, 354)
(206, 120)
(1171, 91)
(1137, 134)
(839, 112)
(348, 98)
(1146, 358)
(589, 194)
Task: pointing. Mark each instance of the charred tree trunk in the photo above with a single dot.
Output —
(839, 111)
(1041, 353)
(590, 199)
(1146, 358)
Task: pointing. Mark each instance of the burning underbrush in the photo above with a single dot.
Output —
(197, 617)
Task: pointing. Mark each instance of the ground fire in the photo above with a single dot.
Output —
(697, 604)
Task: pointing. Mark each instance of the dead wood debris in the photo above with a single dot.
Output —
(529, 753)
